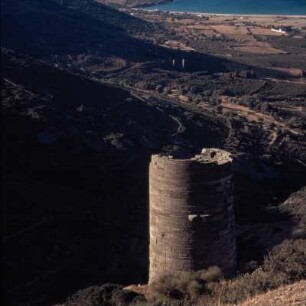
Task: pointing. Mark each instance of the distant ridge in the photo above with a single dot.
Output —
(133, 3)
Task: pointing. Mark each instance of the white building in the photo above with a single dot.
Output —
(278, 30)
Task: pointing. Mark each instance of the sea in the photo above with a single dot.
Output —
(261, 7)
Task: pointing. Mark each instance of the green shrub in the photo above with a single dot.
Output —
(212, 274)
(186, 286)
(195, 289)
(106, 295)
(172, 286)
(286, 263)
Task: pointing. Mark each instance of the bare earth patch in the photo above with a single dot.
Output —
(174, 44)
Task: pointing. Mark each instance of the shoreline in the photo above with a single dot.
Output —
(217, 14)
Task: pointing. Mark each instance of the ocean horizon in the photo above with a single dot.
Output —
(252, 7)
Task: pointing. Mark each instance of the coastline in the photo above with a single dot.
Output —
(205, 14)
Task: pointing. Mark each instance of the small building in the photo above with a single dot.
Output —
(279, 30)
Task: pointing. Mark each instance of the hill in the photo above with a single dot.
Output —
(70, 145)
(48, 29)
(291, 295)
(88, 37)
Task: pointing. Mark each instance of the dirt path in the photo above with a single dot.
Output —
(181, 128)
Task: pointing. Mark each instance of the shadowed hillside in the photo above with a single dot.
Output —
(76, 156)
(76, 169)
(45, 28)
(84, 33)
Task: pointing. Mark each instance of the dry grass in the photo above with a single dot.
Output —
(284, 265)
(177, 45)
(258, 49)
(290, 295)
(228, 29)
(264, 32)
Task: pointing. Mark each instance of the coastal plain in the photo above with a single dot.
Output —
(246, 39)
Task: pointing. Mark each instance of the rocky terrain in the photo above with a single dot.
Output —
(84, 108)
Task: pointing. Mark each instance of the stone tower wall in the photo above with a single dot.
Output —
(191, 214)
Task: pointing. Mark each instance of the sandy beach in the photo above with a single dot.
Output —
(205, 14)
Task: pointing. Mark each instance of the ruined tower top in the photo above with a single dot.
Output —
(207, 156)
(191, 213)
(214, 156)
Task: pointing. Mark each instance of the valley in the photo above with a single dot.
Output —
(90, 92)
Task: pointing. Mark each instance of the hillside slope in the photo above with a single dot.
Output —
(70, 145)
(46, 28)
(89, 37)
(291, 295)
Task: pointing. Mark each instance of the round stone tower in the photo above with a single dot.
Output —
(191, 214)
